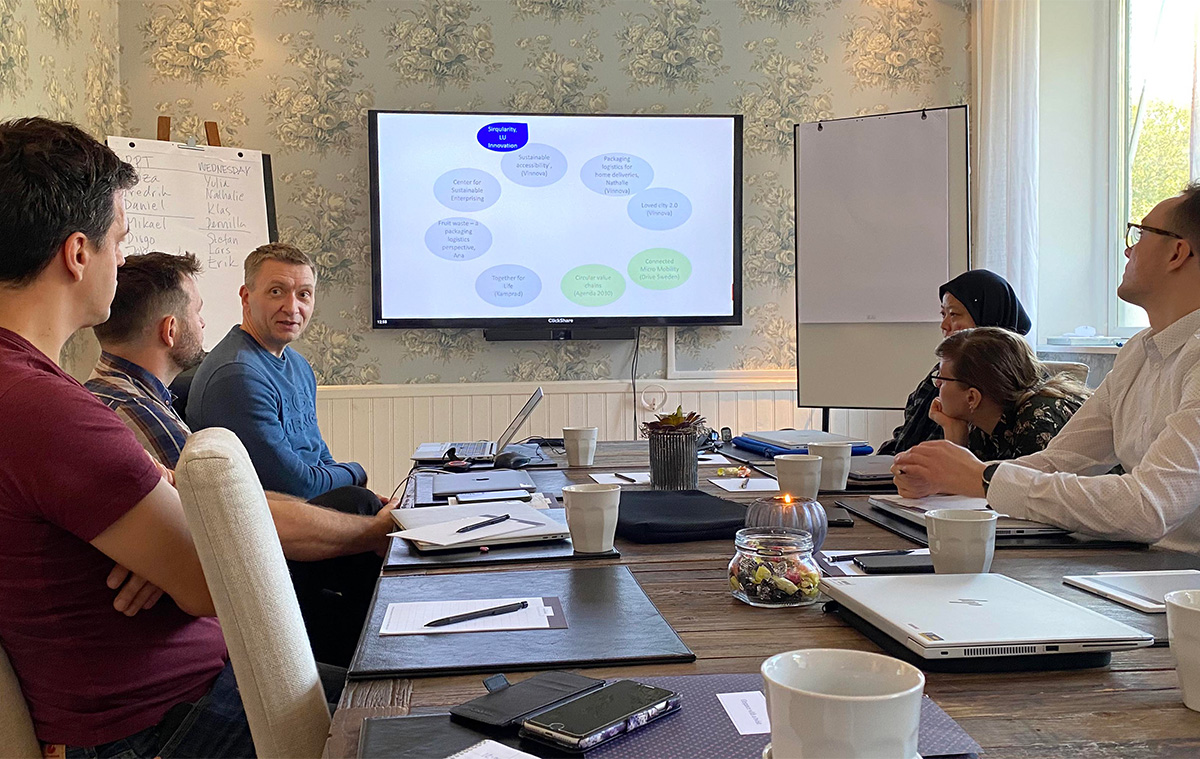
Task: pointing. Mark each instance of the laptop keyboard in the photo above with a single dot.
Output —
(470, 450)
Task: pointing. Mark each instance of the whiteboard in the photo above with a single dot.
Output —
(882, 220)
(214, 202)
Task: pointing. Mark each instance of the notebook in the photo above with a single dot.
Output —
(479, 450)
(800, 438)
(524, 525)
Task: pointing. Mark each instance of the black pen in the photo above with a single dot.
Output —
(468, 616)
(484, 523)
(625, 477)
(851, 556)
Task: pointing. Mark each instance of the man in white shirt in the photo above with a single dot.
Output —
(1145, 416)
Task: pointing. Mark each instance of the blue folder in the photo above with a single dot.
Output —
(766, 449)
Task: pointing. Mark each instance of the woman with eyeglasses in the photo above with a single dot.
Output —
(977, 298)
(995, 398)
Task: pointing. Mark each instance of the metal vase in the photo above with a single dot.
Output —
(673, 461)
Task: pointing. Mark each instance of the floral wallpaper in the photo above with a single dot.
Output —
(295, 78)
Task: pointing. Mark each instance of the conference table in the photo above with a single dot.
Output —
(1129, 709)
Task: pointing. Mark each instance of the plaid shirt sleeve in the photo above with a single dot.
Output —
(160, 434)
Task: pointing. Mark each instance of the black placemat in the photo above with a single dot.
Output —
(676, 516)
(403, 555)
(610, 620)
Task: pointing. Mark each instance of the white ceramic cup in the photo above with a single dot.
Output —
(961, 541)
(580, 443)
(835, 463)
(592, 516)
(799, 474)
(1183, 627)
(827, 703)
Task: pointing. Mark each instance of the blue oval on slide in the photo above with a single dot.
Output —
(660, 208)
(503, 136)
(508, 285)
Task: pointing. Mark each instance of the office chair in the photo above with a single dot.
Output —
(17, 739)
(248, 579)
(1073, 369)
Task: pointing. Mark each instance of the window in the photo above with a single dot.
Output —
(1162, 96)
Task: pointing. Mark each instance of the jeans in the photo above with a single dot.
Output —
(335, 594)
(215, 726)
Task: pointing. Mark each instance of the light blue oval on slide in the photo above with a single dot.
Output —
(503, 136)
(660, 208)
(508, 285)
(458, 239)
(616, 175)
(534, 165)
(466, 189)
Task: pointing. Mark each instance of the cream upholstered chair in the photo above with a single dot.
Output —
(248, 579)
(1073, 369)
(17, 739)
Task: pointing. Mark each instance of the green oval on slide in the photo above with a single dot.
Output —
(593, 285)
(660, 269)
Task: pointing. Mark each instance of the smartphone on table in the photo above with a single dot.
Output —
(601, 715)
(895, 565)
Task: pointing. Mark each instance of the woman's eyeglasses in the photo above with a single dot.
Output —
(939, 378)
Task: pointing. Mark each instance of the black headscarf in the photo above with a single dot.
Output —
(989, 299)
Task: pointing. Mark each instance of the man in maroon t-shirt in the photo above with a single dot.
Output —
(78, 494)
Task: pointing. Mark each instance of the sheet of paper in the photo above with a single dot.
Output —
(639, 478)
(752, 484)
(713, 458)
(446, 533)
(850, 568)
(491, 750)
(410, 618)
(748, 711)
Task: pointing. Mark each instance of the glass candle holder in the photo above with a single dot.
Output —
(794, 513)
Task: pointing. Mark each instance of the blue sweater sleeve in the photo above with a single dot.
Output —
(238, 398)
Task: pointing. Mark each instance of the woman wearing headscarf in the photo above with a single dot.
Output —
(977, 298)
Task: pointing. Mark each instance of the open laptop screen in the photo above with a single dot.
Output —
(519, 420)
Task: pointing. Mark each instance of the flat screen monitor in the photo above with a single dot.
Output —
(518, 221)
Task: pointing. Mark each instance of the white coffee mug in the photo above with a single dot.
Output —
(592, 516)
(835, 463)
(1183, 627)
(827, 703)
(799, 474)
(961, 541)
(580, 443)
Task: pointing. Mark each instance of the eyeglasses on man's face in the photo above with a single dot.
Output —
(1133, 233)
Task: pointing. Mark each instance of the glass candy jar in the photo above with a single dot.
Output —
(774, 567)
(795, 513)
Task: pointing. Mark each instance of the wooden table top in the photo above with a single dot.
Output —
(1130, 709)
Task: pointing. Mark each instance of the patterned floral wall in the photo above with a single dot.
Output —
(296, 77)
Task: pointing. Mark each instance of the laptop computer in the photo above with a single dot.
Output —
(871, 468)
(912, 510)
(800, 438)
(480, 482)
(941, 617)
(480, 450)
(537, 526)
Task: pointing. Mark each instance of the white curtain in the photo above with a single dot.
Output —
(1005, 86)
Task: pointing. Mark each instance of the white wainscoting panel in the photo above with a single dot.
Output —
(381, 425)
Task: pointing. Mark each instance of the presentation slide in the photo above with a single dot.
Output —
(505, 216)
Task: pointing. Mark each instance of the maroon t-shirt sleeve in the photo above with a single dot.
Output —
(98, 471)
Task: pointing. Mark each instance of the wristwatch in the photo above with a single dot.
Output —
(988, 473)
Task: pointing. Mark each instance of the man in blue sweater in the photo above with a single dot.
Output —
(263, 390)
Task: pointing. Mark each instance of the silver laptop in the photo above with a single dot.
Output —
(871, 468)
(966, 616)
(481, 482)
(480, 450)
(800, 438)
(1006, 527)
